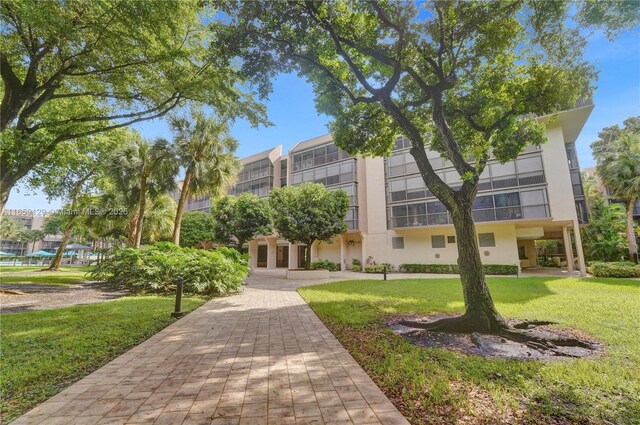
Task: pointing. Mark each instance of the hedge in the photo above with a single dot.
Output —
(155, 268)
(378, 268)
(624, 269)
(326, 265)
(500, 269)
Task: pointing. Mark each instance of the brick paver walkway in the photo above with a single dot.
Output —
(256, 358)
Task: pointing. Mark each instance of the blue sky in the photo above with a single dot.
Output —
(291, 109)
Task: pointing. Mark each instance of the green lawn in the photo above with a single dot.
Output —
(435, 385)
(18, 269)
(65, 277)
(43, 352)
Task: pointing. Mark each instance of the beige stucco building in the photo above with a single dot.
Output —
(395, 219)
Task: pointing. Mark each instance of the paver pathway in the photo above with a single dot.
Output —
(256, 358)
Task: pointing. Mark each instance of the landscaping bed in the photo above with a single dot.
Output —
(436, 385)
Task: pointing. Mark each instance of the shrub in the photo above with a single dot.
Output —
(356, 268)
(623, 269)
(326, 265)
(155, 268)
(501, 269)
(378, 268)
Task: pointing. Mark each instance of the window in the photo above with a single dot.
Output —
(437, 241)
(397, 243)
(451, 239)
(507, 199)
(486, 239)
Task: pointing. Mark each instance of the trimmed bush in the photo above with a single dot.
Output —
(155, 268)
(356, 268)
(378, 268)
(326, 265)
(500, 269)
(623, 269)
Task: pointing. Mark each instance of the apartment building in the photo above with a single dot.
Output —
(394, 218)
(29, 221)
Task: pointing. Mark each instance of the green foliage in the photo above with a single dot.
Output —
(197, 226)
(379, 268)
(603, 236)
(356, 265)
(621, 269)
(240, 219)
(43, 352)
(495, 269)
(326, 265)
(74, 69)
(155, 268)
(10, 227)
(308, 213)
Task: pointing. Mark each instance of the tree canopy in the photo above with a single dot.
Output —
(75, 68)
(308, 213)
(197, 227)
(240, 219)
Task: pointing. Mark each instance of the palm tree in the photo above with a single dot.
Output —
(159, 219)
(142, 169)
(206, 151)
(618, 156)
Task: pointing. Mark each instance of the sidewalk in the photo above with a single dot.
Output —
(256, 358)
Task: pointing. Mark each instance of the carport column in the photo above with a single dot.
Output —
(253, 254)
(343, 252)
(314, 251)
(293, 256)
(272, 252)
(568, 248)
(578, 238)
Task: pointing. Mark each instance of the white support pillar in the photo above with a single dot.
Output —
(314, 251)
(576, 233)
(272, 252)
(293, 256)
(343, 252)
(568, 248)
(253, 254)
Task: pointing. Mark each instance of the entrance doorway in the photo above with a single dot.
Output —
(262, 256)
(282, 256)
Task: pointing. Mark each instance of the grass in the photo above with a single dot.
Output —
(67, 276)
(45, 351)
(439, 386)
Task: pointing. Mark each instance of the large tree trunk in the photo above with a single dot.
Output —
(142, 203)
(480, 311)
(184, 194)
(57, 260)
(631, 236)
(6, 184)
(307, 256)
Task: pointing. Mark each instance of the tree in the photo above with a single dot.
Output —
(160, 214)
(240, 219)
(466, 79)
(206, 152)
(10, 227)
(71, 69)
(308, 213)
(197, 227)
(142, 169)
(603, 236)
(617, 152)
(78, 167)
(31, 236)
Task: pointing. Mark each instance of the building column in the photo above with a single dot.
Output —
(253, 254)
(568, 248)
(272, 252)
(293, 256)
(314, 251)
(578, 238)
(343, 252)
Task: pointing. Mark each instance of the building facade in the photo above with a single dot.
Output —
(394, 218)
(29, 221)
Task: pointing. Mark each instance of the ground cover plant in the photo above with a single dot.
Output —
(43, 352)
(156, 268)
(441, 386)
(21, 269)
